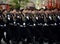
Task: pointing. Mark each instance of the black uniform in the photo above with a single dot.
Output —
(1, 28)
(8, 29)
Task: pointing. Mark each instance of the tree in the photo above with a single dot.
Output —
(18, 3)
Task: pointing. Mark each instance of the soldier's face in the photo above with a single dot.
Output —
(14, 11)
(19, 11)
(41, 11)
(37, 11)
(10, 11)
(29, 11)
(47, 11)
(5, 12)
(55, 10)
(24, 11)
(59, 10)
(33, 12)
(52, 11)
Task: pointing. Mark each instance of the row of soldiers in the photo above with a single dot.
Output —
(29, 26)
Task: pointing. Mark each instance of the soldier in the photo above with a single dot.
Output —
(14, 28)
(26, 32)
(7, 18)
(41, 22)
(29, 26)
(34, 30)
(19, 23)
(4, 16)
(32, 24)
(53, 27)
(57, 24)
(47, 26)
(1, 28)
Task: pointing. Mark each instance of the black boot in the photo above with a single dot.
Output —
(0, 42)
(41, 41)
(8, 42)
(25, 42)
(50, 42)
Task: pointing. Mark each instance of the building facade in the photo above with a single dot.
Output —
(38, 3)
(46, 3)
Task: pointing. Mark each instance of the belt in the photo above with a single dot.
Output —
(11, 24)
(31, 25)
(1, 25)
(39, 24)
(4, 25)
(21, 26)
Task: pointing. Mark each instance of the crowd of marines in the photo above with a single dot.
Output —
(27, 25)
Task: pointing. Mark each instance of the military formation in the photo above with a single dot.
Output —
(29, 25)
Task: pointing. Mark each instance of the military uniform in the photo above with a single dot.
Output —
(30, 27)
(1, 28)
